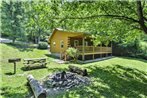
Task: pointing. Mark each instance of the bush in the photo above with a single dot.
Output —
(136, 49)
(42, 45)
(72, 52)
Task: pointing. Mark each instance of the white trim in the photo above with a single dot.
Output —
(76, 44)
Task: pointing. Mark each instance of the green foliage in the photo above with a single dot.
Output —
(72, 52)
(137, 48)
(38, 24)
(105, 20)
(120, 75)
(42, 45)
(143, 49)
(13, 19)
(102, 16)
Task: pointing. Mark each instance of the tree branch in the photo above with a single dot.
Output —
(141, 17)
(97, 16)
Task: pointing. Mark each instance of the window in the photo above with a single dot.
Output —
(54, 44)
(61, 44)
(76, 43)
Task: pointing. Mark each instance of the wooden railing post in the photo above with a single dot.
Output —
(111, 48)
(101, 50)
(93, 51)
(107, 50)
(83, 49)
(60, 55)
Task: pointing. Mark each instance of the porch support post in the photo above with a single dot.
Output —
(107, 51)
(83, 48)
(101, 51)
(60, 55)
(111, 48)
(93, 51)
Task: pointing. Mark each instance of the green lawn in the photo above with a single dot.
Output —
(118, 77)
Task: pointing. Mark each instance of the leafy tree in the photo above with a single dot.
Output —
(121, 20)
(38, 22)
(12, 19)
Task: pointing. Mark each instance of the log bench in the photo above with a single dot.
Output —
(78, 70)
(34, 62)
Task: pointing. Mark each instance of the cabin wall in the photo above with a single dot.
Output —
(57, 38)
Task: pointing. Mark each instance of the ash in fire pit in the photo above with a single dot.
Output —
(61, 76)
(64, 80)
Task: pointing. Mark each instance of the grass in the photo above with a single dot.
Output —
(118, 77)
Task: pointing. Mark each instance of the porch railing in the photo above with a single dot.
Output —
(93, 49)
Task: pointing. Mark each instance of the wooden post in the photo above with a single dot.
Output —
(14, 60)
(111, 48)
(14, 67)
(93, 51)
(83, 49)
(101, 51)
(107, 51)
(65, 57)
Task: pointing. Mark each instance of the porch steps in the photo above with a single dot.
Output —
(59, 61)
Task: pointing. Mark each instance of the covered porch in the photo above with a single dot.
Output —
(86, 48)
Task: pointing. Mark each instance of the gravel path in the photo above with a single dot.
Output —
(5, 40)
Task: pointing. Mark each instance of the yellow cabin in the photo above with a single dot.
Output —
(60, 41)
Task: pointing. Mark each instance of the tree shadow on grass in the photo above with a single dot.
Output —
(33, 68)
(113, 82)
(9, 73)
(121, 81)
(52, 56)
(10, 92)
(137, 59)
(20, 46)
(57, 69)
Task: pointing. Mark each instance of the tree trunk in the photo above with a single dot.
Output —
(37, 89)
(141, 17)
(78, 70)
(39, 34)
(36, 40)
(13, 40)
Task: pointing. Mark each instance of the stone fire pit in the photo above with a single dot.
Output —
(57, 83)
(62, 81)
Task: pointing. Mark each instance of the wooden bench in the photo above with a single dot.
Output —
(31, 62)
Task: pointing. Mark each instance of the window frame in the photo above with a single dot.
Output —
(61, 44)
(76, 43)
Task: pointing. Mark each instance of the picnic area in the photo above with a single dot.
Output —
(123, 75)
(73, 49)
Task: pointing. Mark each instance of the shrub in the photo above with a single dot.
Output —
(136, 49)
(72, 52)
(42, 45)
